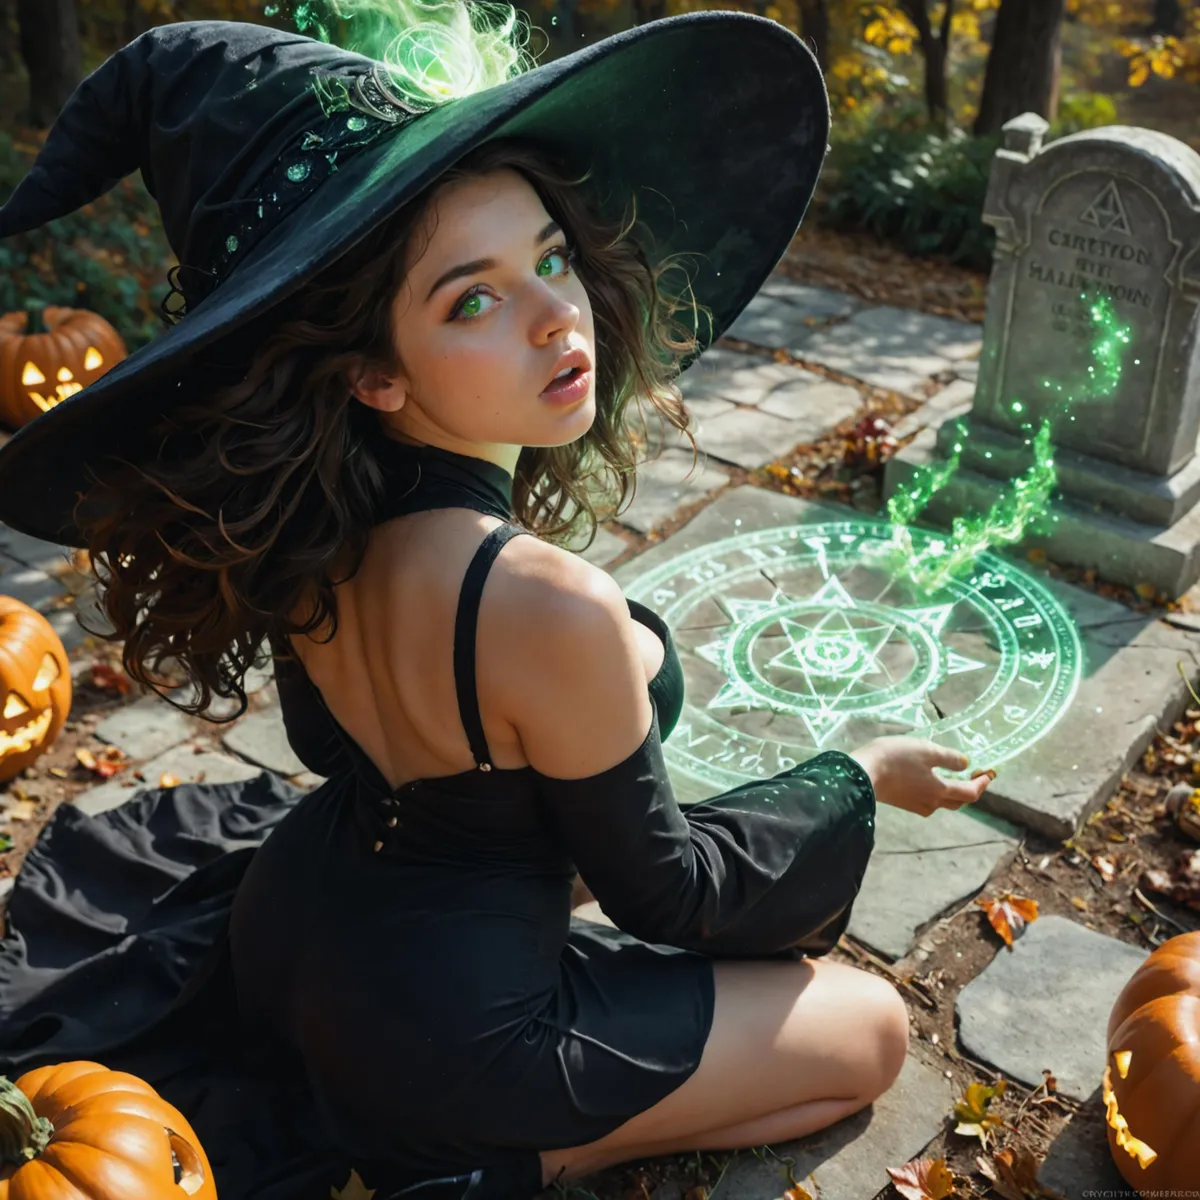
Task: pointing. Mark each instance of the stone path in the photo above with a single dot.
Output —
(750, 410)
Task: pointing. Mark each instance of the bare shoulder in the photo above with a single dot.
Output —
(576, 692)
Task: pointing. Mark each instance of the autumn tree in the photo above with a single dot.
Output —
(934, 40)
(52, 53)
(814, 28)
(1024, 64)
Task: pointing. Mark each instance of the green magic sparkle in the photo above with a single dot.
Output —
(1028, 501)
(435, 50)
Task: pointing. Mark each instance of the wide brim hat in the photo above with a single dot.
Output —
(718, 121)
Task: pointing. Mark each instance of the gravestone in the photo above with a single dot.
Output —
(1112, 213)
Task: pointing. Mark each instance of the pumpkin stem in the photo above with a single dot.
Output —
(23, 1134)
(35, 321)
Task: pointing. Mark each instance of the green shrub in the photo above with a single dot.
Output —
(906, 181)
(110, 257)
(1083, 110)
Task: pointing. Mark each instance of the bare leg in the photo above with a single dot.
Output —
(793, 1048)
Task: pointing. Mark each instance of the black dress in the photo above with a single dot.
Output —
(394, 980)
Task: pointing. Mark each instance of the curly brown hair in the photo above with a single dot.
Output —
(246, 500)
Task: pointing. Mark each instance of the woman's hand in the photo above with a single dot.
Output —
(901, 771)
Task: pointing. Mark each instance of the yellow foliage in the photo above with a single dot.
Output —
(891, 30)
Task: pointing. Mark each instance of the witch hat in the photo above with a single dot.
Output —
(270, 153)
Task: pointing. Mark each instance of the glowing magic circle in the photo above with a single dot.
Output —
(802, 638)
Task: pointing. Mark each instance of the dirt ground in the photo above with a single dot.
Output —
(1105, 877)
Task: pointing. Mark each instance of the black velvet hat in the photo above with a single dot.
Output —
(270, 153)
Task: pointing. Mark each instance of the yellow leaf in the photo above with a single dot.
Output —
(923, 1179)
(167, 780)
(1139, 72)
(354, 1189)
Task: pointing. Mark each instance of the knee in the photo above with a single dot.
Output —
(888, 1016)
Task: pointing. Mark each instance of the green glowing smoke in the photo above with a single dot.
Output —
(435, 50)
(1014, 512)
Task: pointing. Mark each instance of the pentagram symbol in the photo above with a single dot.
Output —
(799, 639)
(1107, 212)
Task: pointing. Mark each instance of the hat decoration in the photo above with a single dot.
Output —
(430, 52)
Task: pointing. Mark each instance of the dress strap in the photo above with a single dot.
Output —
(465, 623)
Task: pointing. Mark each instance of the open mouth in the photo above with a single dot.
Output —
(25, 737)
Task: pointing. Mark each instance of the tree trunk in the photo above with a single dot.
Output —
(1024, 63)
(645, 11)
(814, 27)
(935, 49)
(53, 56)
(1167, 17)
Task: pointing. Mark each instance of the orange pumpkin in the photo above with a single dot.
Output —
(78, 1130)
(49, 354)
(1152, 1080)
(35, 686)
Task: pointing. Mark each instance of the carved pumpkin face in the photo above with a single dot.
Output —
(77, 1131)
(35, 686)
(41, 369)
(1151, 1086)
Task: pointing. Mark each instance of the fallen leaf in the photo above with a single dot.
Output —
(1009, 914)
(111, 679)
(923, 1179)
(105, 764)
(23, 810)
(974, 1120)
(167, 780)
(58, 772)
(798, 1192)
(1080, 903)
(697, 1193)
(1105, 866)
(1013, 1172)
(354, 1189)
(6, 843)
(1181, 884)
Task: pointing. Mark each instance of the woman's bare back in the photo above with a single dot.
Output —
(388, 674)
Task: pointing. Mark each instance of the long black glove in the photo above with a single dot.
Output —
(772, 865)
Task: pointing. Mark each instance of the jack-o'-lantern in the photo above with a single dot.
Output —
(1152, 1081)
(78, 1131)
(35, 686)
(51, 353)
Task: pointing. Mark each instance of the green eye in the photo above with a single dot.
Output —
(461, 310)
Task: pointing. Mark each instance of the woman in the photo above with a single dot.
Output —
(343, 480)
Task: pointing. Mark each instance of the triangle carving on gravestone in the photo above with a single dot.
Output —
(1107, 212)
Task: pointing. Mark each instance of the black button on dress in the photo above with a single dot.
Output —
(393, 980)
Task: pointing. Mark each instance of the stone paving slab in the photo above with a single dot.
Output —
(922, 867)
(181, 761)
(665, 484)
(33, 552)
(751, 438)
(893, 348)
(849, 1160)
(28, 584)
(1131, 686)
(145, 728)
(935, 410)
(261, 738)
(1130, 683)
(1079, 1162)
(1046, 1004)
(784, 310)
